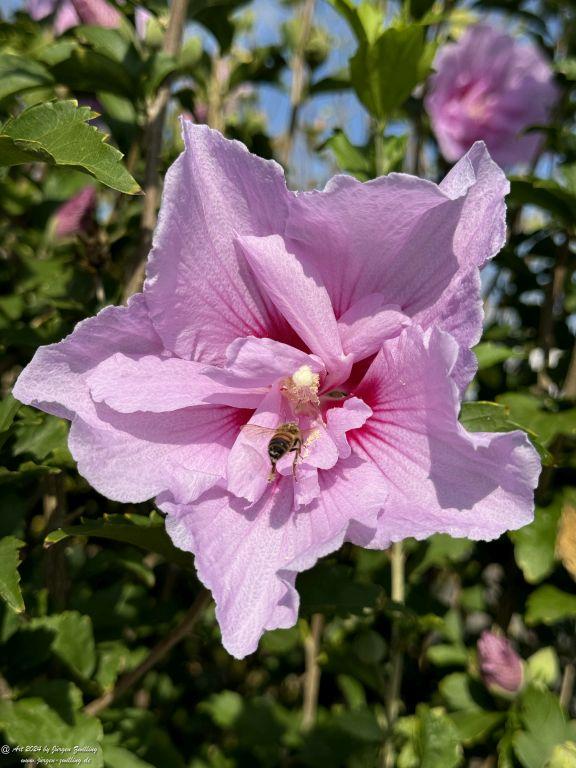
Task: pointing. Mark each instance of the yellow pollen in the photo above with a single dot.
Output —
(304, 377)
(302, 389)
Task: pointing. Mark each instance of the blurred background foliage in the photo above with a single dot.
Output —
(94, 594)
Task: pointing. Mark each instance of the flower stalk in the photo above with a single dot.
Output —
(298, 77)
(312, 673)
(154, 135)
(392, 702)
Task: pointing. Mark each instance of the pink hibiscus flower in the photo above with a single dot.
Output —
(493, 87)
(349, 312)
(76, 214)
(71, 13)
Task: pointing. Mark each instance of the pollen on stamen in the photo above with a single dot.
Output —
(302, 389)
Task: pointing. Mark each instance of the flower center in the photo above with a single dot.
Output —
(301, 389)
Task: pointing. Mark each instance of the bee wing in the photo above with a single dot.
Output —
(310, 434)
(256, 430)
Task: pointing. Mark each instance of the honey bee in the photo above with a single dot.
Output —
(286, 438)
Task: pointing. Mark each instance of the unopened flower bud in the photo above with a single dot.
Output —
(501, 668)
(75, 214)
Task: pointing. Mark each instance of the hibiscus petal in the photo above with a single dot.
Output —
(399, 235)
(261, 362)
(352, 415)
(156, 385)
(249, 555)
(442, 479)
(460, 312)
(368, 323)
(248, 462)
(66, 17)
(300, 296)
(135, 456)
(201, 295)
(482, 185)
(56, 379)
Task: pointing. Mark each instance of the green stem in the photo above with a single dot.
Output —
(379, 128)
(393, 700)
(312, 673)
(153, 142)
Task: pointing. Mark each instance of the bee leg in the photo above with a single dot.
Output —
(272, 474)
(296, 449)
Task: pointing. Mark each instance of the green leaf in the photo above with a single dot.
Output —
(489, 353)
(446, 655)
(84, 69)
(545, 727)
(9, 407)
(114, 659)
(111, 43)
(385, 72)
(224, 708)
(474, 725)
(52, 719)
(18, 74)
(543, 667)
(563, 756)
(329, 588)
(486, 417)
(73, 641)
(441, 550)
(534, 545)
(362, 25)
(355, 160)
(57, 133)
(146, 533)
(433, 740)
(568, 68)
(460, 692)
(547, 194)
(41, 438)
(9, 576)
(548, 605)
(353, 691)
(118, 757)
(538, 417)
(370, 647)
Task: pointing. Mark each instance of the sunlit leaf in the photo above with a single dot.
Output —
(58, 133)
(146, 533)
(9, 576)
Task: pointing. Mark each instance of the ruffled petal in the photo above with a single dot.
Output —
(261, 362)
(299, 294)
(157, 385)
(132, 457)
(353, 414)
(249, 555)
(248, 463)
(400, 236)
(201, 295)
(56, 379)
(368, 323)
(460, 312)
(442, 479)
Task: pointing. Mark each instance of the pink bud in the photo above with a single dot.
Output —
(74, 215)
(97, 12)
(500, 666)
